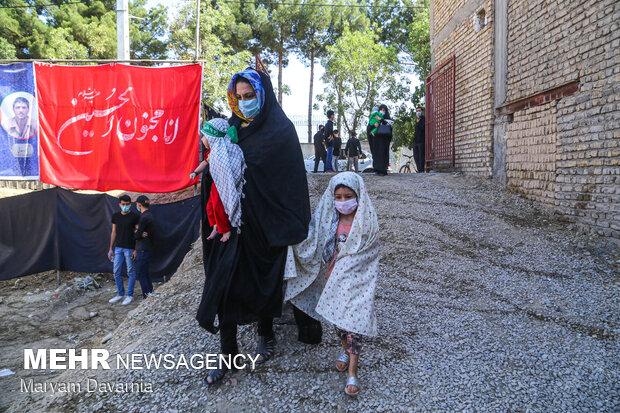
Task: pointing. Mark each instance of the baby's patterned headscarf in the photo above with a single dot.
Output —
(254, 78)
(227, 166)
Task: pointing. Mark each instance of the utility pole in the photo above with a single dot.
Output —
(197, 30)
(122, 29)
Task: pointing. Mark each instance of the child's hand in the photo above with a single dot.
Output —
(213, 233)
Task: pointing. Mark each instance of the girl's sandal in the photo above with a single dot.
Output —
(343, 358)
(215, 375)
(352, 381)
(265, 348)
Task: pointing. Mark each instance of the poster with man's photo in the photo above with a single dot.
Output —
(19, 157)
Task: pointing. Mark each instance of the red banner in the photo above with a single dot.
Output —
(118, 127)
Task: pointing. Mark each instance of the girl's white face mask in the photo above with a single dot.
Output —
(346, 207)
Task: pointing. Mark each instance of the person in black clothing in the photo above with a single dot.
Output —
(144, 236)
(419, 139)
(319, 150)
(353, 150)
(122, 246)
(328, 138)
(337, 149)
(382, 139)
(245, 276)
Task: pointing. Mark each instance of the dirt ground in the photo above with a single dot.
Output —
(37, 312)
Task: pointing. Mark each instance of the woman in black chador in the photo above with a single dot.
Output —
(244, 276)
(381, 144)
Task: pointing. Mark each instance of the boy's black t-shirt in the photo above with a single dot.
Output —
(145, 224)
(125, 226)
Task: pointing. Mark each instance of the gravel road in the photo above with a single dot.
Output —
(484, 304)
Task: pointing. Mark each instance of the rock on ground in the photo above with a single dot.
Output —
(484, 304)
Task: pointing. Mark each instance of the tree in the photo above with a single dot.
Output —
(221, 61)
(407, 29)
(78, 31)
(284, 19)
(359, 72)
(147, 30)
(310, 39)
(319, 27)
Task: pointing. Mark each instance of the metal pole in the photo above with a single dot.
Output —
(58, 276)
(122, 29)
(197, 30)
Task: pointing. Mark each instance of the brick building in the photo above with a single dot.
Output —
(537, 100)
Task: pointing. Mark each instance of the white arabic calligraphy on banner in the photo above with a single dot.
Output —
(126, 129)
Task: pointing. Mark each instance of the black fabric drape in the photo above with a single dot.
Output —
(28, 234)
(244, 275)
(60, 229)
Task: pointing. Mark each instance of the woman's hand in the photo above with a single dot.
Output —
(193, 175)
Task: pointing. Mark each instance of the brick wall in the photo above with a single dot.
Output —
(474, 114)
(443, 11)
(531, 153)
(570, 40)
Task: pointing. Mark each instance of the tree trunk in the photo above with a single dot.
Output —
(340, 112)
(310, 95)
(280, 57)
(340, 109)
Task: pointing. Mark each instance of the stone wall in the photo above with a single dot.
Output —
(473, 49)
(570, 41)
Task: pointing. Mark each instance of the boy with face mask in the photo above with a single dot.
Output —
(122, 245)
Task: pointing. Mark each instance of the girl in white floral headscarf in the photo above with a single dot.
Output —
(332, 274)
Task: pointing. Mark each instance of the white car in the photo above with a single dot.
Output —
(362, 163)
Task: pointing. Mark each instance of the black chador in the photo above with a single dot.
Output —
(244, 276)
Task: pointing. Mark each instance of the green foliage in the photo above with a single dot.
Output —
(404, 127)
(79, 31)
(148, 31)
(221, 61)
(408, 31)
(7, 50)
(360, 72)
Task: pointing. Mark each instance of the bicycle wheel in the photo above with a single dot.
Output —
(405, 169)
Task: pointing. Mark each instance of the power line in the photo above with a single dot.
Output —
(34, 6)
(320, 5)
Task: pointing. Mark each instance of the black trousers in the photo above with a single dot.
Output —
(320, 154)
(228, 335)
(310, 330)
(419, 156)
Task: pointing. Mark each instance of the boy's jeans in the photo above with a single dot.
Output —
(328, 161)
(121, 254)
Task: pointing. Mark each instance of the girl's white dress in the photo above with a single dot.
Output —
(346, 299)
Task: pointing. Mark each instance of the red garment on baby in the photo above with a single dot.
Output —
(216, 212)
(215, 208)
(342, 233)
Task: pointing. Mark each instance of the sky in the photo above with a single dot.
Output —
(296, 75)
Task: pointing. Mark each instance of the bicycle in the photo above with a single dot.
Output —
(409, 167)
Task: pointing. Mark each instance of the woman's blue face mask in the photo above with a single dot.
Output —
(249, 108)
